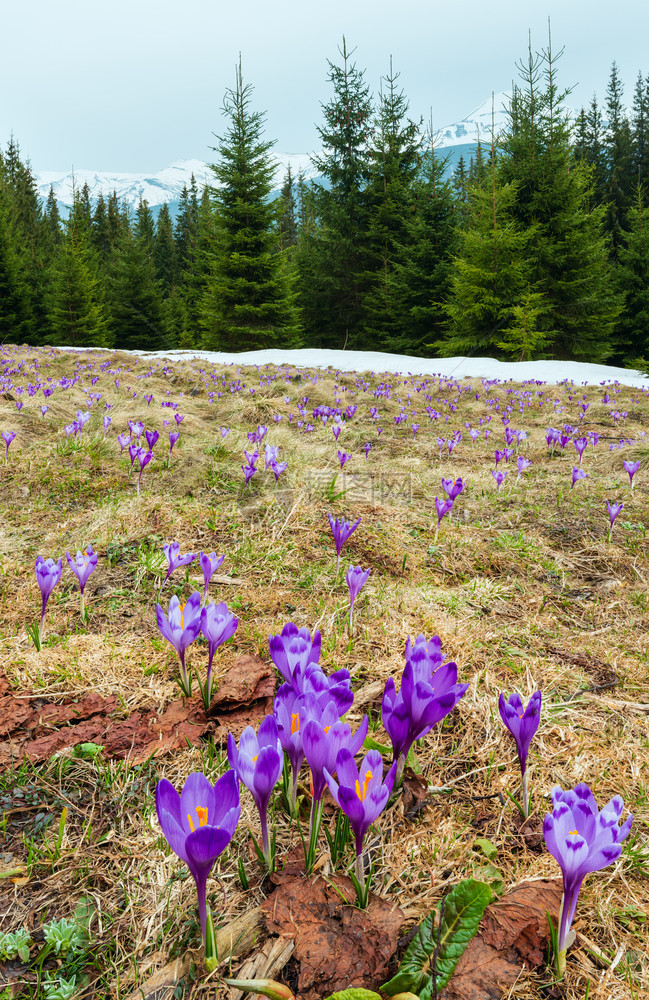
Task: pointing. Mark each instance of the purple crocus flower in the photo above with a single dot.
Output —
(522, 723)
(362, 793)
(7, 437)
(248, 471)
(179, 417)
(44, 408)
(209, 565)
(356, 579)
(322, 740)
(143, 457)
(133, 450)
(181, 629)
(123, 440)
(366, 449)
(198, 824)
(217, 625)
(151, 438)
(174, 558)
(106, 422)
(522, 465)
(48, 574)
(580, 443)
(341, 529)
(429, 691)
(82, 566)
(289, 709)
(137, 428)
(343, 457)
(443, 507)
(578, 474)
(499, 477)
(277, 468)
(174, 437)
(613, 511)
(631, 468)
(582, 839)
(258, 763)
(293, 648)
(224, 432)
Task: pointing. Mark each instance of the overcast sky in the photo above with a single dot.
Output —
(132, 85)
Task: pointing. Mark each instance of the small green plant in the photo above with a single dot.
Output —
(15, 944)
(59, 988)
(64, 936)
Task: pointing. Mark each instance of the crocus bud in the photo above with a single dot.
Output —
(265, 987)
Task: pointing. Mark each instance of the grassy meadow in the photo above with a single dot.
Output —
(522, 586)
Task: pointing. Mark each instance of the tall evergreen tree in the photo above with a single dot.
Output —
(460, 187)
(135, 297)
(333, 256)
(288, 212)
(633, 282)
(618, 159)
(570, 253)
(164, 250)
(52, 219)
(144, 224)
(16, 318)
(490, 276)
(186, 223)
(28, 229)
(640, 135)
(248, 303)
(389, 205)
(101, 237)
(422, 275)
(77, 314)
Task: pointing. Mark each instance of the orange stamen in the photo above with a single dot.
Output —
(295, 722)
(362, 792)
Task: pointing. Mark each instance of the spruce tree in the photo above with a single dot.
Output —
(618, 158)
(16, 318)
(202, 250)
(30, 237)
(144, 224)
(389, 206)
(248, 302)
(422, 274)
(640, 135)
(52, 220)
(333, 259)
(552, 193)
(164, 250)
(100, 231)
(490, 276)
(287, 222)
(186, 224)
(135, 297)
(633, 282)
(76, 310)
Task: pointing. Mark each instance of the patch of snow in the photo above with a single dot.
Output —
(581, 373)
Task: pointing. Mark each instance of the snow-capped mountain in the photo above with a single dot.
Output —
(165, 185)
(477, 125)
(458, 139)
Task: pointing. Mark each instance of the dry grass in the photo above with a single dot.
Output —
(514, 578)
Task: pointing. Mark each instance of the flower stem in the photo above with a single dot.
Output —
(526, 801)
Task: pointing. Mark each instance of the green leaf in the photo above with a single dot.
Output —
(371, 744)
(463, 910)
(488, 849)
(355, 993)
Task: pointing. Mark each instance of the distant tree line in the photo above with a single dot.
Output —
(537, 247)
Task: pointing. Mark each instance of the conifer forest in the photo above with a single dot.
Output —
(537, 247)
